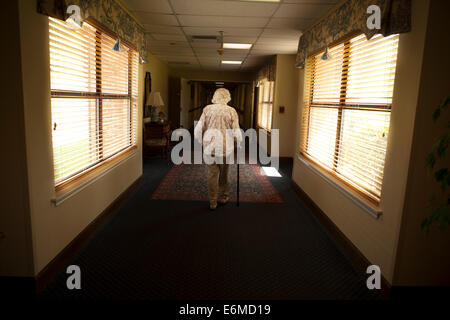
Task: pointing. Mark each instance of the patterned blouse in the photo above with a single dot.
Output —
(219, 126)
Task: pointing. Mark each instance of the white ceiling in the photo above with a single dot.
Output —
(272, 28)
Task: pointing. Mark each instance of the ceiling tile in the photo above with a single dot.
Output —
(178, 58)
(308, 10)
(158, 19)
(241, 21)
(277, 41)
(277, 50)
(291, 23)
(206, 51)
(216, 45)
(205, 44)
(281, 33)
(208, 59)
(162, 29)
(171, 51)
(260, 53)
(214, 21)
(275, 47)
(213, 54)
(227, 31)
(224, 8)
(155, 6)
(161, 43)
(168, 37)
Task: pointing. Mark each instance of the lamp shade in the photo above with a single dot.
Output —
(155, 99)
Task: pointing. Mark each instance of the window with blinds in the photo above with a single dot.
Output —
(93, 98)
(265, 105)
(347, 107)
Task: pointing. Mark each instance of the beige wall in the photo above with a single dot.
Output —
(377, 238)
(16, 254)
(53, 227)
(285, 94)
(185, 103)
(426, 260)
(159, 72)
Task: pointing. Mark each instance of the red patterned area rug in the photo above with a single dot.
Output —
(188, 182)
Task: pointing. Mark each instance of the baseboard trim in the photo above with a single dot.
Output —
(353, 253)
(61, 260)
(286, 159)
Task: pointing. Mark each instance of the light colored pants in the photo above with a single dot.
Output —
(217, 175)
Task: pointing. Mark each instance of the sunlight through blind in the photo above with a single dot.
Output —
(94, 98)
(348, 98)
(265, 105)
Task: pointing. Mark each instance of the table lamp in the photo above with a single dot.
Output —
(154, 102)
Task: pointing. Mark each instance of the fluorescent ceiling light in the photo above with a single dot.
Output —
(231, 62)
(237, 45)
(271, 172)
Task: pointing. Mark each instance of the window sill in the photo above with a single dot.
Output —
(368, 207)
(265, 130)
(73, 187)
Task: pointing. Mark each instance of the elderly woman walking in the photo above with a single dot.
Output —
(217, 130)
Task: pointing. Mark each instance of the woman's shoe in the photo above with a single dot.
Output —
(223, 199)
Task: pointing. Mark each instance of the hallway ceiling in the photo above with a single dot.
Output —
(271, 27)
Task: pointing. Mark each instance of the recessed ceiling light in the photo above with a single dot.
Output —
(231, 62)
(237, 45)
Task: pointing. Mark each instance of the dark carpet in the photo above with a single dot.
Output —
(188, 182)
(155, 249)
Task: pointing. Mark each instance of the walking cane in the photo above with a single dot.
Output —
(237, 203)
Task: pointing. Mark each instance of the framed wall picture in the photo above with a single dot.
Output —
(148, 90)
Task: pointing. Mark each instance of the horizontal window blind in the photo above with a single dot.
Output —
(94, 98)
(265, 105)
(347, 106)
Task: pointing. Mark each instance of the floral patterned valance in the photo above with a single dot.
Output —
(108, 12)
(349, 17)
(268, 70)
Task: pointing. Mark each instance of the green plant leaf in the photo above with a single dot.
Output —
(436, 114)
(430, 162)
(445, 102)
(439, 215)
(425, 226)
(441, 144)
(441, 174)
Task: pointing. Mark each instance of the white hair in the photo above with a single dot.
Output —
(221, 96)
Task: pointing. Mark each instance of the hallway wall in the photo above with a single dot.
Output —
(414, 248)
(185, 103)
(53, 227)
(285, 94)
(16, 252)
(377, 238)
(159, 72)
